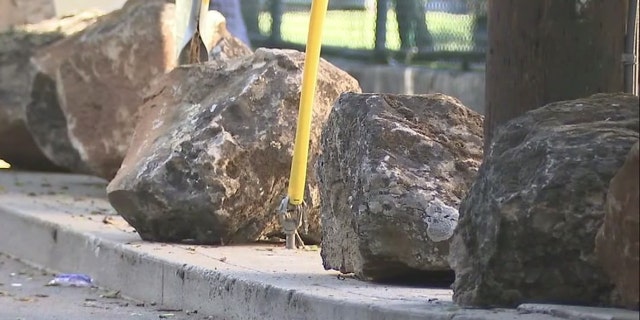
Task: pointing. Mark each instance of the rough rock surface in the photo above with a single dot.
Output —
(211, 155)
(527, 227)
(392, 173)
(88, 86)
(617, 241)
(17, 46)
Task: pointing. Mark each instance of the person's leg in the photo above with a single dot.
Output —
(423, 37)
(230, 9)
(479, 10)
(250, 13)
(404, 16)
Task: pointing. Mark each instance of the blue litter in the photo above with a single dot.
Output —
(71, 280)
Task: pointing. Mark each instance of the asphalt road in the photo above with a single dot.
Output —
(25, 296)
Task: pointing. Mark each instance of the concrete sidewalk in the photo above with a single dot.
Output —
(65, 224)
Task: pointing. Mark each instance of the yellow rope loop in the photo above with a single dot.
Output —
(297, 178)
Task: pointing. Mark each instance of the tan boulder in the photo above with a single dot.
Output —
(617, 240)
(89, 86)
(17, 46)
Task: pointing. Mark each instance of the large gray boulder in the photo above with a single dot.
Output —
(17, 46)
(392, 173)
(617, 242)
(88, 86)
(527, 227)
(212, 151)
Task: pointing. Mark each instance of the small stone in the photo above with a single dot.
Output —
(441, 220)
(115, 294)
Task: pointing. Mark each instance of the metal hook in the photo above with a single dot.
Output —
(291, 218)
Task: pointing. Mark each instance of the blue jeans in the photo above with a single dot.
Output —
(230, 9)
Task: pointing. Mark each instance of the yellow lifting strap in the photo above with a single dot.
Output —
(298, 175)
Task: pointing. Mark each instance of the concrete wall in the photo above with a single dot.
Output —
(66, 7)
(17, 12)
(467, 86)
(14, 12)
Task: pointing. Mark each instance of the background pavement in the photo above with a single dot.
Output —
(25, 296)
(63, 222)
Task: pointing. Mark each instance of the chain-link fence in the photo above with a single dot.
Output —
(423, 29)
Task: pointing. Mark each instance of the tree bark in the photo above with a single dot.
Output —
(550, 50)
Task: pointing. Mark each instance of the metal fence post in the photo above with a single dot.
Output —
(630, 57)
(382, 8)
(276, 11)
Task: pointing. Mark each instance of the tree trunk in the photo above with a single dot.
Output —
(550, 50)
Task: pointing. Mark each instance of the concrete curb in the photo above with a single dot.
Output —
(63, 223)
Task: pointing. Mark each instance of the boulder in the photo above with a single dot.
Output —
(213, 149)
(617, 240)
(17, 46)
(528, 225)
(392, 173)
(88, 86)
